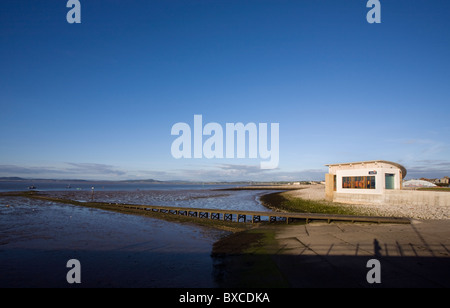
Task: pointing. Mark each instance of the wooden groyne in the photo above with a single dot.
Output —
(256, 216)
(222, 214)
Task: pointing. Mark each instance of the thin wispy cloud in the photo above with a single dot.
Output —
(69, 169)
(425, 146)
(7, 170)
(92, 168)
(236, 172)
(428, 168)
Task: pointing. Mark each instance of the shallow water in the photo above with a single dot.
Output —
(195, 198)
(37, 238)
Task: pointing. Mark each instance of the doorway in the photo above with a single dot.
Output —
(389, 181)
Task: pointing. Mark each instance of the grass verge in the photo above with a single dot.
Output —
(282, 201)
(244, 260)
(446, 189)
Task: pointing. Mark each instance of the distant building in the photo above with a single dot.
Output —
(373, 177)
(445, 181)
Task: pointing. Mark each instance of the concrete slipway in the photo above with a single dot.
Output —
(336, 254)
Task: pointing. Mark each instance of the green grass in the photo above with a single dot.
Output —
(262, 270)
(280, 201)
(435, 188)
(247, 259)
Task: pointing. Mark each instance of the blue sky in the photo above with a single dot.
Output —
(97, 100)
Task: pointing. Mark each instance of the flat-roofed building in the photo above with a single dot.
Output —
(363, 178)
(379, 182)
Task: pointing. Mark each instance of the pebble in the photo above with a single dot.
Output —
(418, 212)
(317, 192)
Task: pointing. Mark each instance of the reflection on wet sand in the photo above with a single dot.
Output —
(38, 237)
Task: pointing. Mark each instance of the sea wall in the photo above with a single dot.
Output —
(406, 203)
(397, 197)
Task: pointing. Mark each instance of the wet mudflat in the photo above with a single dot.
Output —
(37, 238)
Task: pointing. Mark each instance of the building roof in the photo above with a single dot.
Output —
(403, 169)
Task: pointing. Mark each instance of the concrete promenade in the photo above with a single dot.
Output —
(336, 255)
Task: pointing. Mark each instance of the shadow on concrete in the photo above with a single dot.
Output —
(308, 269)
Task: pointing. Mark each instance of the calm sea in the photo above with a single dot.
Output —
(37, 238)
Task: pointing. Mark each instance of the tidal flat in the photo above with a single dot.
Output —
(41, 231)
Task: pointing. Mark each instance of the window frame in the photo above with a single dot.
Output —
(358, 182)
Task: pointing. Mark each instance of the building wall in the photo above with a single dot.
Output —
(378, 195)
(379, 180)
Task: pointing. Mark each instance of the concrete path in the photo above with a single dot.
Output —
(336, 255)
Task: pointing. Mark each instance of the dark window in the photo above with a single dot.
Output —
(358, 182)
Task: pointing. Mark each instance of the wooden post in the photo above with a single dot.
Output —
(329, 187)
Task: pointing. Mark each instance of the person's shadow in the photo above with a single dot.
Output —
(377, 248)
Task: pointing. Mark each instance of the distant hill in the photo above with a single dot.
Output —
(15, 178)
(142, 181)
(11, 178)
